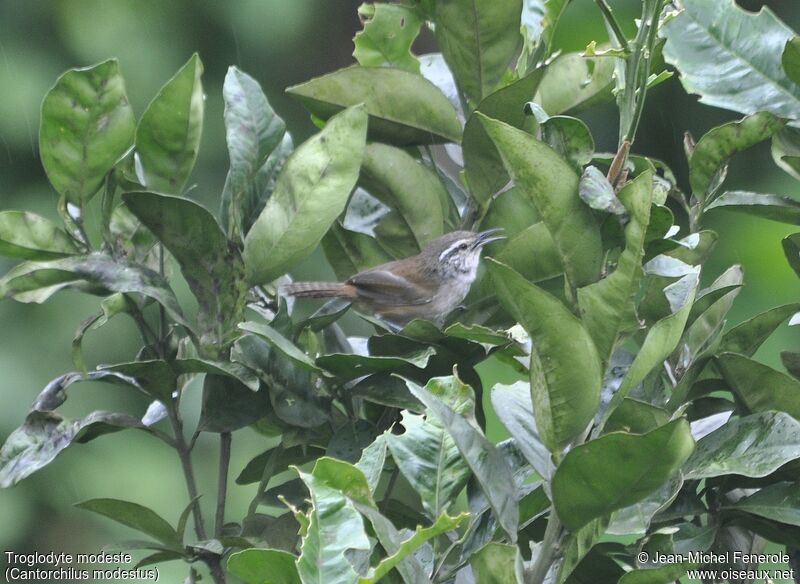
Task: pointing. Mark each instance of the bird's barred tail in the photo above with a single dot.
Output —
(319, 290)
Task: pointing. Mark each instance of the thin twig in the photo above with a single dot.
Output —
(188, 474)
(266, 475)
(618, 163)
(225, 439)
(389, 488)
(148, 334)
(162, 315)
(547, 550)
(612, 23)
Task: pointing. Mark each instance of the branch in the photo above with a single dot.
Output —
(266, 475)
(547, 550)
(611, 20)
(188, 474)
(222, 481)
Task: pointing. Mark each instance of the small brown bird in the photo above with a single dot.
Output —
(427, 286)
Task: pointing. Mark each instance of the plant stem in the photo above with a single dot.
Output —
(547, 551)
(148, 336)
(611, 20)
(440, 565)
(185, 455)
(649, 37)
(188, 473)
(389, 488)
(618, 163)
(162, 315)
(222, 485)
(215, 567)
(266, 475)
(634, 75)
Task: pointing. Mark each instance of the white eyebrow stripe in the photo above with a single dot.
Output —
(451, 249)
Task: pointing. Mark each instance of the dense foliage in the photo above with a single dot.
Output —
(640, 423)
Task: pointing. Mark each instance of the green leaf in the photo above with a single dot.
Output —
(512, 404)
(443, 524)
(568, 136)
(661, 339)
(352, 483)
(596, 191)
(497, 563)
(583, 489)
(87, 125)
(282, 344)
(312, 190)
(533, 242)
(386, 39)
(753, 446)
(335, 528)
(31, 237)
(487, 463)
(773, 207)
(636, 417)
(714, 149)
(110, 307)
(573, 83)
(705, 330)
(577, 545)
(747, 337)
(759, 386)
(387, 390)
(254, 133)
(36, 282)
(635, 520)
(155, 377)
(350, 439)
(483, 167)
(404, 108)
(134, 516)
(227, 368)
(564, 397)
(372, 460)
(264, 566)
(779, 502)
(732, 57)
(350, 365)
(45, 434)
(665, 574)
(295, 394)
(478, 39)
(791, 248)
(512, 210)
(791, 361)
(478, 334)
(168, 135)
(430, 461)
(159, 558)
(281, 460)
(786, 151)
(212, 266)
(553, 186)
(409, 187)
(605, 304)
(790, 59)
(229, 405)
(350, 252)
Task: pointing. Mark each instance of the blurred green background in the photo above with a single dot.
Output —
(280, 43)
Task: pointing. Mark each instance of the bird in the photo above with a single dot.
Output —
(426, 286)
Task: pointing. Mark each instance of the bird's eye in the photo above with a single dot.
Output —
(463, 246)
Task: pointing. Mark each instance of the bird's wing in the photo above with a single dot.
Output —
(385, 287)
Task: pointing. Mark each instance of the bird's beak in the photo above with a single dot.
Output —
(487, 237)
